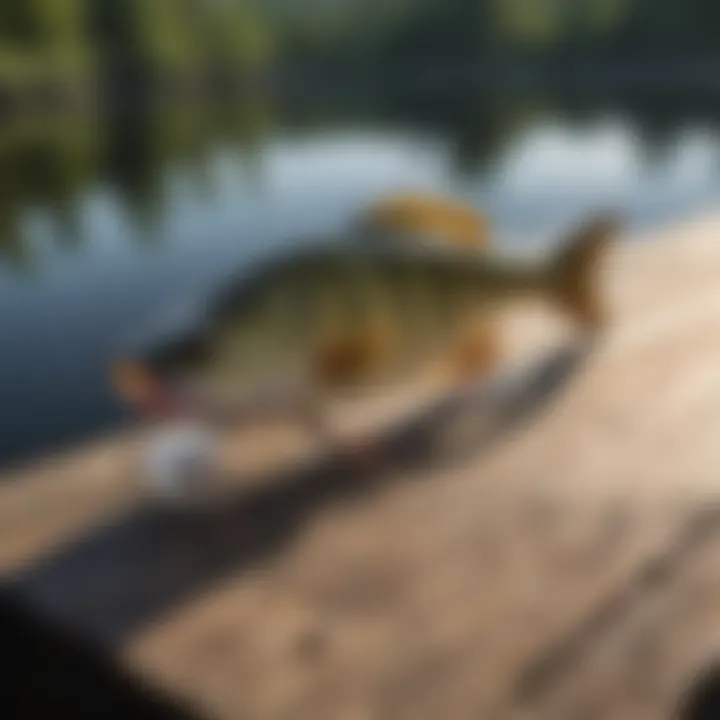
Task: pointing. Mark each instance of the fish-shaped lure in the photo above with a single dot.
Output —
(336, 318)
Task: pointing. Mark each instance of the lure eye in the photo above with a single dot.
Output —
(133, 382)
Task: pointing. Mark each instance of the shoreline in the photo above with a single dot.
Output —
(579, 78)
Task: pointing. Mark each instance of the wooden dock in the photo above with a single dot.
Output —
(563, 565)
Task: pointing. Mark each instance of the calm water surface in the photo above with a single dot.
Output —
(102, 221)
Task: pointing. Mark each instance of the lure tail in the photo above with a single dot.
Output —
(574, 270)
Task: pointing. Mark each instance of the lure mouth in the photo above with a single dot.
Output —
(137, 385)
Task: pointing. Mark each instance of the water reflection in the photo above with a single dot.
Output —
(497, 150)
(52, 166)
(503, 147)
(42, 163)
(103, 217)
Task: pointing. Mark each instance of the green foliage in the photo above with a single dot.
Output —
(411, 29)
(76, 40)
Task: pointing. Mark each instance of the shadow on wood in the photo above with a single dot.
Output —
(49, 673)
(113, 581)
(701, 701)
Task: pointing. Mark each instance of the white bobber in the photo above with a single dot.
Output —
(179, 460)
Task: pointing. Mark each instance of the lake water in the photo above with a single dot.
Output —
(103, 220)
